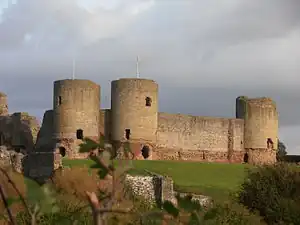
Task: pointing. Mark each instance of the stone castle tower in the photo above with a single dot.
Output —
(261, 127)
(134, 109)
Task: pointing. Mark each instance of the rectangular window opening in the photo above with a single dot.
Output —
(127, 134)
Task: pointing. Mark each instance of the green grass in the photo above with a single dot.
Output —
(214, 179)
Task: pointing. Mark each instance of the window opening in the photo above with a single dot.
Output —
(79, 134)
(246, 158)
(148, 101)
(270, 143)
(1, 139)
(59, 100)
(127, 134)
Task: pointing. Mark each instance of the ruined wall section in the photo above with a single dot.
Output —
(76, 105)
(3, 104)
(44, 139)
(19, 131)
(129, 109)
(197, 138)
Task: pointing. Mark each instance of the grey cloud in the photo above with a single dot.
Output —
(203, 54)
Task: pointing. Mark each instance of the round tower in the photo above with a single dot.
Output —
(76, 105)
(134, 105)
(261, 130)
(3, 104)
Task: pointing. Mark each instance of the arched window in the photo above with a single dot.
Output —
(62, 151)
(148, 101)
(145, 152)
(79, 134)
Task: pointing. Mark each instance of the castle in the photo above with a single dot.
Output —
(134, 117)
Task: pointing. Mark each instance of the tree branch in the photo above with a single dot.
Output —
(4, 199)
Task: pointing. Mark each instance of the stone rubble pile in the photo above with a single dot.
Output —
(8, 157)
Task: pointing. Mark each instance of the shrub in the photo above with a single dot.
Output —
(274, 191)
(231, 213)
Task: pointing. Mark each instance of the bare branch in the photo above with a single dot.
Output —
(17, 191)
(5, 202)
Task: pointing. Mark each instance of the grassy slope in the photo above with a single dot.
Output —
(214, 179)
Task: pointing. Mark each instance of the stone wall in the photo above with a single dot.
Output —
(197, 138)
(143, 187)
(261, 156)
(3, 104)
(155, 189)
(42, 164)
(44, 139)
(19, 131)
(105, 123)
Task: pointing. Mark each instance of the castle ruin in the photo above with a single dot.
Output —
(134, 117)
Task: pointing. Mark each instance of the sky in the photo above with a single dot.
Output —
(203, 54)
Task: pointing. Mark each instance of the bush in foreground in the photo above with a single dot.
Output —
(273, 191)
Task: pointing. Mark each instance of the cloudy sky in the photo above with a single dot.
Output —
(202, 53)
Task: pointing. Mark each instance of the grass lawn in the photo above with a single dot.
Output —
(214, 179)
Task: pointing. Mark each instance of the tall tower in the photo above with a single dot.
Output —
(76, 105)
(134, 106)
(261, 128)
(3, 104)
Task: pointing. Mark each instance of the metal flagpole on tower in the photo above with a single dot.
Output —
(137, 67)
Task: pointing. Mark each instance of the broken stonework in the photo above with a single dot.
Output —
(9, 157)
(156, 189)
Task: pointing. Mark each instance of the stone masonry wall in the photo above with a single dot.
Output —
(154, 188)
(197, 138)
(42, 164)
(142, 187)
(44, 139)
(105, 123)
(19, 130)
(261, 156)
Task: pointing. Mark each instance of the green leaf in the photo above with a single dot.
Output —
(171, 209)
(88, 145)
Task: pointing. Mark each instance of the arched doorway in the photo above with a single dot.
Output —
(246, 158)
(145, 151)
(62, 151)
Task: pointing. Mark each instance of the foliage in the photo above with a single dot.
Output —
(281, 151)
(274, 192)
